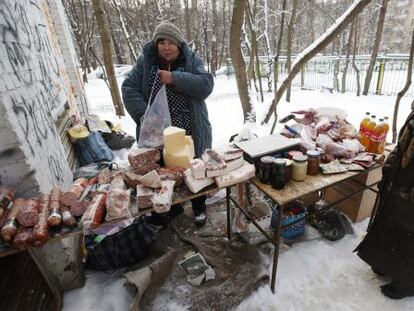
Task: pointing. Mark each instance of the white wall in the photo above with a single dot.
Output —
(35, 88)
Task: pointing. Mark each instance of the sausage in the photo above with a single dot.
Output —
(95, 212)
(69, 197)
(28, 213)
(41, 232)
(9, 230)
(67, 217)
(55, 217)
(23, 239)
(6, 197)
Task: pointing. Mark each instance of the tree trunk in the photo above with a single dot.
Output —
(354, 52)
(316, 47)
(404, 90)
(237, 56)
(132, 52)
(254, 48)
(188, 20)
(268, 52)
(348, 53)
(276, 62)
(106, 49)
(375, 47)
(289, 43)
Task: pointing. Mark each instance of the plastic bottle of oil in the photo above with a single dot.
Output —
(384, 131)
(375, 139)
(363, 127)
(369, 131)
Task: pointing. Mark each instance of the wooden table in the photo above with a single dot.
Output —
(291, 192)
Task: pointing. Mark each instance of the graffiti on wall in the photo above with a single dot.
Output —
(34, 85)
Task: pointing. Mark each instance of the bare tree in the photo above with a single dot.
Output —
(289, 42)
(341, 23)
(375, 47)
(348, 53)
(268, 49)
(354, 51)
(239, 7)
(106, 48)
(404, 90)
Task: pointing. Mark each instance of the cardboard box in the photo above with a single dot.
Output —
(359, 206)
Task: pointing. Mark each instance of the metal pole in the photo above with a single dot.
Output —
(228, 213)
(276, 242)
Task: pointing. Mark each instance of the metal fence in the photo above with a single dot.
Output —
(325, 72)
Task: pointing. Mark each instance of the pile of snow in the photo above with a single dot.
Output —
(120, 71)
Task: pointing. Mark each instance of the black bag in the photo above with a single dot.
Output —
(126, 247)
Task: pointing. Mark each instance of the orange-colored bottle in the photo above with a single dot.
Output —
(363, 127)
(369, 131)
(384, 131)
(375, 138)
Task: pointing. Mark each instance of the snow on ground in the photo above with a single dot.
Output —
(312, 275)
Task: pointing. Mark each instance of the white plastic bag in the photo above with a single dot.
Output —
(155, 119)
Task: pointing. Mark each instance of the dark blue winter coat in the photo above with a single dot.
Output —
(195, 82)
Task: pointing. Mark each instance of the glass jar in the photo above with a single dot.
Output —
(299, 167)
(313, 162)
(265, 169)
(288, 170)
(278, 174)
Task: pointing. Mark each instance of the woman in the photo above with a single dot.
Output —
(168, 60)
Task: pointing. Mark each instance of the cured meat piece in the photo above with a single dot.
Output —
(176, 174)
(151, 180)
(94, 214)
(6, 197)
(23, 239)
(198, 168)
(3, 218)
(67, 218)
(195, 185)
(9, 229)
(143, 157)
(29, 213)
(117, 204)
(244, 173)
(146, 168)
(107, 176)
(132, 179)
(144, 197)
(55, 217)
(231, 153)
(118, 183)
(69, 197)
(41, 232)
(163, 196)
(213, 160)
(79, 208)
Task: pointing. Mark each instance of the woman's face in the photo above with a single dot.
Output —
(168, 51)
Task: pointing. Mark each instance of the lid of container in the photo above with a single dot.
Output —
(279, 161)
(293, 153)
(300, 158)
(267, 159)
(288, 162)
(313, 153)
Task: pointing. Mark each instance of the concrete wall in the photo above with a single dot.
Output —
(35, 89)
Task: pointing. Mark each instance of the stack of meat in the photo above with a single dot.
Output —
(334, 136)
(223, 167)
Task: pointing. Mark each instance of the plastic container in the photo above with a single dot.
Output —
(314, 157)
(299, 167)
(293, 153)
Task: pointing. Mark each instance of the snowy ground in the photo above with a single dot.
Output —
(312, 275)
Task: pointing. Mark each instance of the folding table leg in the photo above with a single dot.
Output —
(276, 243)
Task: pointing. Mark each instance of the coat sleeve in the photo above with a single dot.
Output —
(197, 84)
(132, 95)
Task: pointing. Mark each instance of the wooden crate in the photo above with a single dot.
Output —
(359, 206)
